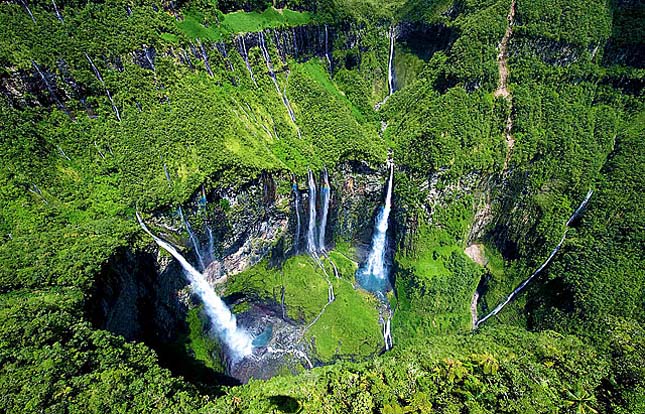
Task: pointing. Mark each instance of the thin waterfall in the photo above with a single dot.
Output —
(49, 86)
(296, 195)
(324, 203)
(149, 57)
(387, 334)
(210, 253)
(245, 56)
(390, 68)
(311, 231)
(167, 174)
(223, 321)
(205, 58)
(327, 49)
(26, 6)
(373, 276)
(267, 59)
(193, 238)
(107, 91)
(580, 208)
(523, 285)
(58, 15)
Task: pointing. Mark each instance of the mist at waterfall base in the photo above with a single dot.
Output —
(373, 275)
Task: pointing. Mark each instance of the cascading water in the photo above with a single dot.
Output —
(205, 58)
(245, 56)
(311, 231)
(26, 6)
(236, 339)
(49, 86)
(296, 195)
(580, 208)
(57, 12)
(327, 49)
(193, 238)
(267, 59)
(523, 285)
(107, 91)
(387, 334)
(390, 68)
(324, 203)
(373, 276)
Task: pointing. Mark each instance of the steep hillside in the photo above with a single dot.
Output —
(325, 206)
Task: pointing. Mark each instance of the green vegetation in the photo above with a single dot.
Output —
(348, 327)
(471, 166)
(238, 22)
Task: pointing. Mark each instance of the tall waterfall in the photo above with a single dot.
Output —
(311, 231)
(324, 198)
(296, 195)
(237, 340)
(525, 283)
(373, 274)
(390, 62)
(193, 239)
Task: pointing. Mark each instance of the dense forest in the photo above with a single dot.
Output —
(283, 150)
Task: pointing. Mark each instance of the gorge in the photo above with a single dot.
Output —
(309, 206)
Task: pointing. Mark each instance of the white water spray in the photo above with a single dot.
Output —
(324, 201)
(376, 260)
(311, 231)
(223, 321)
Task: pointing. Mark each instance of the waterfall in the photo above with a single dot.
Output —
(237, 340)
(267, 59)
(205, 57)
(193, 238)
(49, 86)
(324, 201)
(107, 91)
(311, 231)
(521, 287)
(245, 56)
(327, 49)
(26, 6)
(296, 194)
(210, 253)
(149, 57)
(580, 208)
(373, 276)
(222, 49)
(58, 15)
(387, 334)
(390, 69)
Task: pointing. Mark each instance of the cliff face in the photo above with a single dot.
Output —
(142, 294)
(56, 85)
